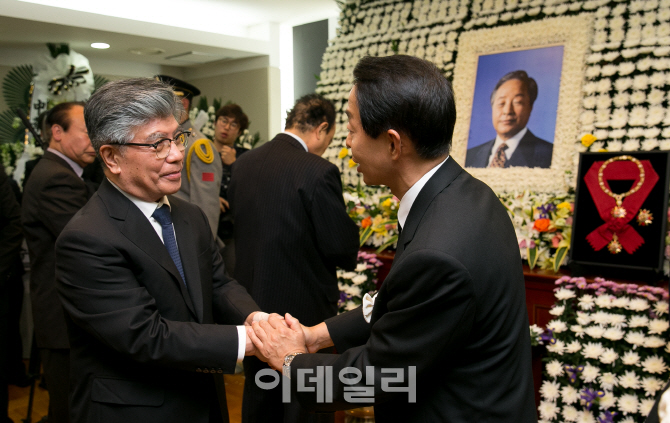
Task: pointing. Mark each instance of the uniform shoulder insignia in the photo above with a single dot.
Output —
(203, 149)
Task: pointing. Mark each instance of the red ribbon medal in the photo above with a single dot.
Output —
(617, 228)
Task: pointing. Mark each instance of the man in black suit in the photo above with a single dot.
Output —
(141, 278)
(10, 247)
(53, 194)
(291, 232)
(511, 103)
(446, 337)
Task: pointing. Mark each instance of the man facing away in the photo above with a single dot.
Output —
(291, 232)
(512, 102)
(141, 278)
(52, 195)
(446, 337)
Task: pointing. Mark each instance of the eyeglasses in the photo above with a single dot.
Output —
(164, 145)
(228, 122)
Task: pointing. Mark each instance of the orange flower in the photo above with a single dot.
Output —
(542, 225)
(366, 222)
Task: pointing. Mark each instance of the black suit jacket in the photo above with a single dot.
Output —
(291, 229)
(531, 152)
(453, 305)
(143, 345)
(51, 197)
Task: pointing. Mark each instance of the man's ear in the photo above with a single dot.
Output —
(111, 156)
(322, 130)
(395, 143)
(57, 132)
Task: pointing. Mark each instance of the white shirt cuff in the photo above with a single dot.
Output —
(242, 346)
(368, 305)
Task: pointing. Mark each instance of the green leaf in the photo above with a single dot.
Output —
(390, 242)
(365, 234)
(9, 134)
(532, 257)
(16, 87)
(99, 81)
(559, 256)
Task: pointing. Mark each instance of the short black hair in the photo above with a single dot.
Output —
(531, 85)
(58, 115)
(234, 111)
(409, 95)
(309, 112)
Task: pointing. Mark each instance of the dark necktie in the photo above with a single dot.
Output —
(500, 158)
(162, 216)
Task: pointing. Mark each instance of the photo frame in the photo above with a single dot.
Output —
(571, 36)
(591, 201)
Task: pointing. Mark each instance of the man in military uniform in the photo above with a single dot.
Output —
(202, 171)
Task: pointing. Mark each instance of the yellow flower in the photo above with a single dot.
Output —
(564, 205)
(352, 163)
(343, 153)
(588, 139)
(602, 150)
(387, 202)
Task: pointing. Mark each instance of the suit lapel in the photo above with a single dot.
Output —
(438, 182)
(139, 231)
(189, 259)
(523, 155)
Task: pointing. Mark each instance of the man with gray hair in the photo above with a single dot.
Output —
(512, 102)
(141, 278)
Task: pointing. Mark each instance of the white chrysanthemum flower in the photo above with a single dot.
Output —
(638, 97)
(638, 321)
(630, 380)
(600, 317)
(617, 134)
(554, 368)
(598, 145)
(626, 68)
(617, 320)
(608, 380)
(609, 356)
(652, 385)
(609, 70)
(657, 79)
(548, 410)
(661, 307)
(655, 97)
(570, 413)
(595, 332)
(578, 330)
(654, 364)
(604, 301)
(628, 403)
(593, 350)
(641, 82)
(590, 373)
(557, 347)
(648, 145)
(621, 99)
(349, 275)
(637, 116)
(635, 338)
(587, 117)
(655, 115)
(622, 84)
(359, 279)
(604, 86)
(557, 326)
(564, 294)
(550, 390)
(589, 102)
(583, 318)
(635, 132)
(654, 342)
(613, 334)
(573, 347)
(619, 118)
(607, 401)
(638, 304)
(536, 330)
(658, 326)
(569, 394)
(665, 145)
(628, 420)
(645, 406)
(557, 310)
(614, 146)
(631, 358)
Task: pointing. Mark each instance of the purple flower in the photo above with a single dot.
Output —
(548, 337)
(546, 210)
(607, 417)
(344, 297)
(589, 396)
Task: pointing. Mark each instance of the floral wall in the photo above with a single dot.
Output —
(624, 94)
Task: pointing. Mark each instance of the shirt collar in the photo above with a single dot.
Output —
(413, 192)
(77, 169)
(146, 207)
(512, 144)
(299, 140)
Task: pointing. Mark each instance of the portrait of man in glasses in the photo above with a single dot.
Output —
(153, 319)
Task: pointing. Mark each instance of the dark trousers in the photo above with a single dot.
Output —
(4, 400)
(16, 370)
(56, 365)
(266, 406)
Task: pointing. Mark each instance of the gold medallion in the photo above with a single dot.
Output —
(614, 246)
(644, 217)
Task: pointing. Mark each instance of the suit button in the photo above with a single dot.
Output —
(199, 370)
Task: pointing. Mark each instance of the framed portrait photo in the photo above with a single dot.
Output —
(518, 98)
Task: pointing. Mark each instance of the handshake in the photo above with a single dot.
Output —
(272, 337)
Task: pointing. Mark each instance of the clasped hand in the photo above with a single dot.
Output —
(276, 338)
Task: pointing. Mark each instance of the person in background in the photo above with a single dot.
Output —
(230, 124)
(53, 194)
(291, 232)
(11, 238)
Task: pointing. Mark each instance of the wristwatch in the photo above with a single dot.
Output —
(286, 368)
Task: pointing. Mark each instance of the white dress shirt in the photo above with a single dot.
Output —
(403, 211)
(512, 144)
(147, 208)
(77, 169)
(298, 139)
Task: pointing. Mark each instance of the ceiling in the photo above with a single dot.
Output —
(214, 29)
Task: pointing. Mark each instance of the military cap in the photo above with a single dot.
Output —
(180, 88)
